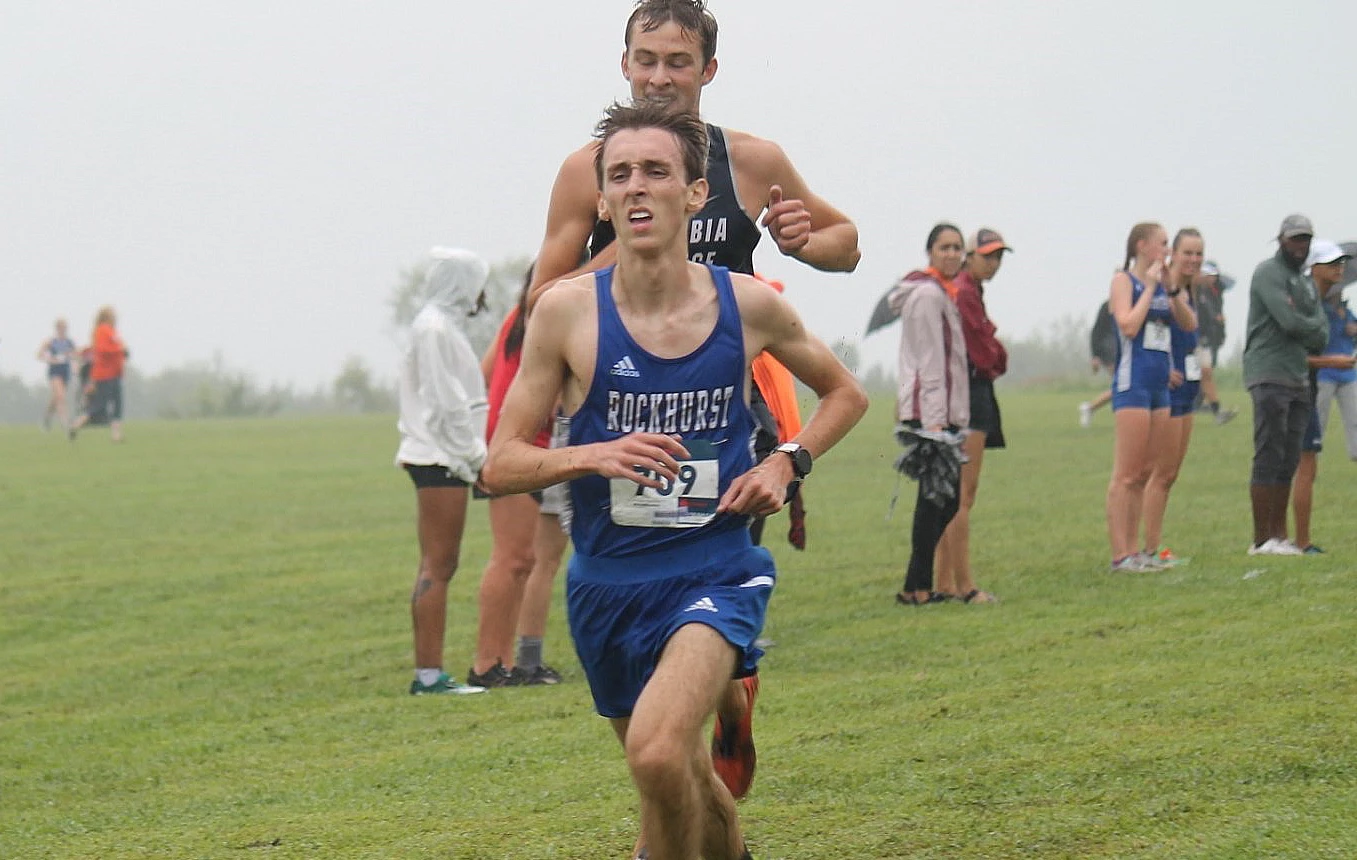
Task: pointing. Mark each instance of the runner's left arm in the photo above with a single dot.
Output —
(772, 323)
(803, 224)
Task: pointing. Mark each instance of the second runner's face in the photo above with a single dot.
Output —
(947, 254)
(645, 193)
(1187, 259)
(665, 65)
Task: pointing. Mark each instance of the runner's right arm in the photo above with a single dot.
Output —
(516, 465)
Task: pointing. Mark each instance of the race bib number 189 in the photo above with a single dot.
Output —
(685, 503)
(1157, 336)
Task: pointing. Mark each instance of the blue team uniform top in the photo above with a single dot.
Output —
(1143, 361)
(1184, 356)
(61, 349)
(700, 397)
(1339, 344)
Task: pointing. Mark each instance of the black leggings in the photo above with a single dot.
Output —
(930, 521)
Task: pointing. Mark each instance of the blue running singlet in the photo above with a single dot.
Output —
(1140, 378)
(1183, 399)
(700, 397)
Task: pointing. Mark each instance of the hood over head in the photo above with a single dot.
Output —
(456, 280)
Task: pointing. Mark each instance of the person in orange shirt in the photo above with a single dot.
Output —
(106, 376)
(779, 393)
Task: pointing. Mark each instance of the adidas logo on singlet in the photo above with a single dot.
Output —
(624, 367)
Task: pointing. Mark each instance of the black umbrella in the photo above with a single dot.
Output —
(883, 315)
(1350, 270)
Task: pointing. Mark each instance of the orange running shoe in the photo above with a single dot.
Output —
(732, 747)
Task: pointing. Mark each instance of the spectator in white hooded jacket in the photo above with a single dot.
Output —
(442, 427)
(934, 389)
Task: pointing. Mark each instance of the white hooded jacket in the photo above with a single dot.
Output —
(442, 391)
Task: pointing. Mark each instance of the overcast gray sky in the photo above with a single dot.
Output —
(251, 177)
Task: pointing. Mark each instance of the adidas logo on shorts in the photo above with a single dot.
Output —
(624, 367)
(703, 603)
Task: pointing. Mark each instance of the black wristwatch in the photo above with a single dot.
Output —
(801, 461)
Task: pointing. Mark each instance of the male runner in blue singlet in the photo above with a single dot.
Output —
(669, 55)
(650, 359)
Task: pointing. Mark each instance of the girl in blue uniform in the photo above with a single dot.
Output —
(1184, 386)
(56, 353)
(1143, 310)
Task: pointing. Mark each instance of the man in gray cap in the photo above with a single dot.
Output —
(1286, 324)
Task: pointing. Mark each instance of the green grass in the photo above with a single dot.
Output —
(206, 644)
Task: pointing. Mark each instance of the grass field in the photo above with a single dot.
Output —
(206, 650)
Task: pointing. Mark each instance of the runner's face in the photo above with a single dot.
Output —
(1154, 247)
(645, 193)
(665, 65)
(1187, 259)
(946, 254)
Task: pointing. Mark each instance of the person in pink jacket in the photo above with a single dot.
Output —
(934, 390)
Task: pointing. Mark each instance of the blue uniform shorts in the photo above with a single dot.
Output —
(624, 610)
(1141, 397)
(1183, 399)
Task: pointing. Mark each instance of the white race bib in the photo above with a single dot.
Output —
(686, 503)
(1157, 336)
(1192, 369)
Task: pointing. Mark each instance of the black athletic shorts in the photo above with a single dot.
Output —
(985, 416)
(107, 400)
(432, 477)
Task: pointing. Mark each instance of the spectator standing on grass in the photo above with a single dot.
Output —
(1336, 383)
(933, 392)
(526, 544)
(1102, 345)
(108, 356)
(1286, 324)
(986, 361)
(1326, 262)
(1143, 310)
(1210, 303)
(56, 352)
(442, 447)
(1184, 386)
(651, 358)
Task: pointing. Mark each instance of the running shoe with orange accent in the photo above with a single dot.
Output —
(732, 748)
(1166, 557)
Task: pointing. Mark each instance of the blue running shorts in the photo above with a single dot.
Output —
(624, 610)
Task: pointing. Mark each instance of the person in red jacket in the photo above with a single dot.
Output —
(106, 377)
(986, 360)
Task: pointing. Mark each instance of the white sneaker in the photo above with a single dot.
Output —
(1286, 547)
(1273, 546)
(1137, 563)
(1085, 414)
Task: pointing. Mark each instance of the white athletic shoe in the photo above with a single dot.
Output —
(1136, 563)
(1085, 414)
(1273, 546)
